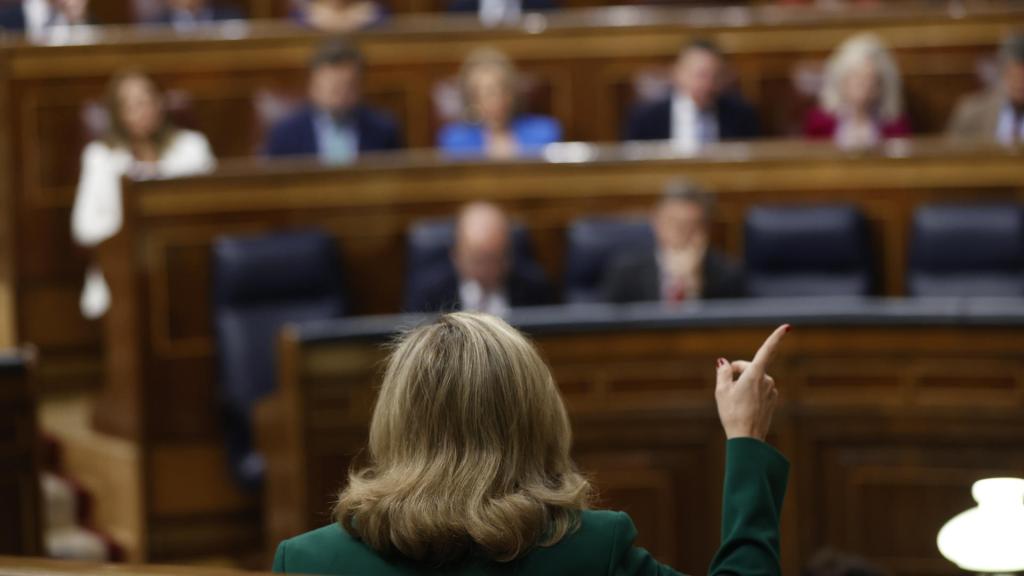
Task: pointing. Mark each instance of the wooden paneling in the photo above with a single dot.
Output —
(162, 389)
(875, 472)
(8, 317)
(13, 566)
(21, 521)
(582, 62)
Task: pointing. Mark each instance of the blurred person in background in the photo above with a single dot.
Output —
(699, 110)
(40, 19)
(186, 15)
(484, 276)
(141, 142)
(334, 125)
(997, 114)
(861, 100)
(683, 266)
(338, 15)
(494, 128)
(495, 12)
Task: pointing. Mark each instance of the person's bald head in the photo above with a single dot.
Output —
(482, 242)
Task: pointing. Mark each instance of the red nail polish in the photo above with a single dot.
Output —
(788, 328)
(721, 362)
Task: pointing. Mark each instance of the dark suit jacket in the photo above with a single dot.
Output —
(737, 120)
(977, 116)
(526, 286)
(604, 543)
(632, 277)
(214, 13)
(528, 5)
(12, 18)
(296, 135)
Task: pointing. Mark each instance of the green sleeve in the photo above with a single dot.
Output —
(279, 557)
(755, 484)
(629, 560)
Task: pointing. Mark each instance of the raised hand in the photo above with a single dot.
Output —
(746, 394)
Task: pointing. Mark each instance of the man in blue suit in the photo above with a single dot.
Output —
(334, 126)
(698, 111)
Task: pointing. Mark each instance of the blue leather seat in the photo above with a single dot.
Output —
(428, 250)
(807, 251)
(591, 243)
(261, 283)
(967, 250)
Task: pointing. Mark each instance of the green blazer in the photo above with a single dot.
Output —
(755, 484)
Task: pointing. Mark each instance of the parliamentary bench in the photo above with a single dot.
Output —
(163, 389)
(890, 409)
(585, 67)
(21, 521)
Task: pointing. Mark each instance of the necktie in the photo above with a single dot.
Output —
(676, 292)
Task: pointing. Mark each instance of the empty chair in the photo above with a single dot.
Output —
(964, 250)
(428, 254)
(807, 251)
(592, 243)
(261, 283)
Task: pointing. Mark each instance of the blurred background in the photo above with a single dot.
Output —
(213, 214)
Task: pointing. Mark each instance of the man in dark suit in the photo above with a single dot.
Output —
(698, 111)
(683, 266)
(188, 14)
(334, 126)
(12, 16)
(997, 114)
(484, 276)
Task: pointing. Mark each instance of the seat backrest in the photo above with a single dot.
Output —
(428, 250)
(967, 250)
(591, 243)
(807, 251)
(260, 284)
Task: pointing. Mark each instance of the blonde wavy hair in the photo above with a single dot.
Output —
(483, 58)
(853, 51)
(468, 449)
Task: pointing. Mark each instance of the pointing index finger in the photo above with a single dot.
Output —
(767, 351)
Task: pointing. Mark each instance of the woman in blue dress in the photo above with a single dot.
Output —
(493, 128)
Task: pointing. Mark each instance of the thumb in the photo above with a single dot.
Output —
(724, 373)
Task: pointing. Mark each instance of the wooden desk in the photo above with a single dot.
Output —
(582, 62)
(163, 379)
(887, 419)
(21, 521)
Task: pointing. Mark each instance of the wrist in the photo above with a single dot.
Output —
(744, 432)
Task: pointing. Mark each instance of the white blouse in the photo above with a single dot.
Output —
(97, 213)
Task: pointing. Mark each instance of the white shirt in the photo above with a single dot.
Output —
(46, 25)
(691, 128)
(337, 141)
(38, 15)
(472, 298)
(671, 284)
(1010, 129)
(494, 12)
(97, 212)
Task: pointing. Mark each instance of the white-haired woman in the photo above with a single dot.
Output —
(469, 470)
(861, 102)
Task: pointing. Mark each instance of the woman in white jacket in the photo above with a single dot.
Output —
(141, 143)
